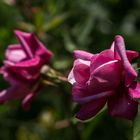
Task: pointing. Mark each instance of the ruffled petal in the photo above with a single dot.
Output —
(131, 55)
(15, 53)
(103, 57)
(27, 69)
(130, 73)
(134, 90)
(16, 91)
(32, 46)
(71, 77)
(112, 46)
(80, 94)
(106, 77)
(25, 40)
(122, 105)
(79, 54)
(80, 72)
(90, 109)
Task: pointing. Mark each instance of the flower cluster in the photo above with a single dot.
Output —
(105, 78)
(22, 67)
(97, 79)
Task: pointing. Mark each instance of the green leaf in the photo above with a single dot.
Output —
(55, 22)
(69, 43)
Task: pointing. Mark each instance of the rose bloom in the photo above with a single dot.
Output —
(105, 78)
(22, 67)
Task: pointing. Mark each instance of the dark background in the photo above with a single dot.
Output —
(65, 25)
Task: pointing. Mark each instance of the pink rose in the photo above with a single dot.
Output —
(107, 77)
(22, 68)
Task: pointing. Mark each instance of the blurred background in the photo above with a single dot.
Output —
(63, 26)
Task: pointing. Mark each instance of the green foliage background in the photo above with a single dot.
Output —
(65, 25)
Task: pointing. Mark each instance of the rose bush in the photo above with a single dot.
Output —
(22, 68)
(106, 77)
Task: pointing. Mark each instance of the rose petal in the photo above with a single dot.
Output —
(27, 69)
(131, 55)
(27, 101)
(103, 57)
(79, 72)
(28, 98)
(79, 91)
(90, 109)
(7, 76)
(32, 46)
(134, 90)
(24, 39)
(112, 46)
(79, 54)
(15, 54)
(31, 64)
(130, 73)
(106, 77)
(122, 105)
(81, 94)
(71, 78)
(16, 91)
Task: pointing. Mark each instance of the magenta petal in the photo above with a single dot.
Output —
(81, 94)
(32, 46)
(130, 73)
(27, 101)
(16, 91)
(24, 39)
(81, 72)
(8, 77)
(27, 69)
(33, 63)
(103, 57)
(107, 76)
(90, 109)
(112, 46)
(131, 55)
(40, 50)
(79, 54)
(134, 90)
(71, 78)
(15, 53)
(29, 97)
(122, 105)
(28, 63)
